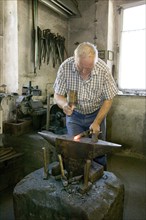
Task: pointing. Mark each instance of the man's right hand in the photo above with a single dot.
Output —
(67, 109)
(62, 103)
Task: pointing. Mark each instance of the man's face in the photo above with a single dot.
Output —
(85, 65)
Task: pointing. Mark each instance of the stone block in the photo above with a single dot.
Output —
(35, 198)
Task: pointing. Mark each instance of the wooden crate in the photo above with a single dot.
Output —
(19, 128)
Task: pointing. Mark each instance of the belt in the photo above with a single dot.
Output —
(81, 114)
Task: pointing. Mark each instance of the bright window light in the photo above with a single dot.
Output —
(132, 71)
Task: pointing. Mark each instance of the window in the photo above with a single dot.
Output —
(132, 57)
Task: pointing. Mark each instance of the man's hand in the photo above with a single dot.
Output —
(95, 128)
(67, 109)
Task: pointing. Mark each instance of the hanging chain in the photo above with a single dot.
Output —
(95, 23)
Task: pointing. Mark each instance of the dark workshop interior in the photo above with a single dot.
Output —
(43, 174)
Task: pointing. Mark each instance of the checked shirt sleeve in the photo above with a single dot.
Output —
(60, 82)
(109, 89)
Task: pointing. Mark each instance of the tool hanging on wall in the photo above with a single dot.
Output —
(35, 32)
(47, 46)
(40, 43)
(51, 47)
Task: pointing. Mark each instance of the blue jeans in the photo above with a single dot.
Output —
(77, 123)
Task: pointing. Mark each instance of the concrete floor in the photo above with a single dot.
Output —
(132, 173)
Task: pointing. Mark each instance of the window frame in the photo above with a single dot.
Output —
(137, 92)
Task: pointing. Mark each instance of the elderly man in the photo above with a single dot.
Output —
(90, 78)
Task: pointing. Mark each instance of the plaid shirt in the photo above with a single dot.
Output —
(91, 93)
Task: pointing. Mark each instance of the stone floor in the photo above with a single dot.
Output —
(6, 205)
(131, 171)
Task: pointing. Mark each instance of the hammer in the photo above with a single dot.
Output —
(64, 179)
(86, 173)
(45, 164)
(87, 185)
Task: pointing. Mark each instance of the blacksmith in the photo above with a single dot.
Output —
(91, 80)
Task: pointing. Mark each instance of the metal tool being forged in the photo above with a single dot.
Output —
(88, 133)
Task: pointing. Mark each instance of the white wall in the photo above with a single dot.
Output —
(10, 47)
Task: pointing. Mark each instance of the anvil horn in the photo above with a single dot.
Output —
(49, 136)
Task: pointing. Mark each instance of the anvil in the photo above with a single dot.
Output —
(75, 153)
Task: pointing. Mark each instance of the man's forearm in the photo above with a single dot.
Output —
(103, 111)
(60, 100)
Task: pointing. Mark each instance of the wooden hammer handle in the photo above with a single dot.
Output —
(86, 172)
(61, 165)
(45, 162)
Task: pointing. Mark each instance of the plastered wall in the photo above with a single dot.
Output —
(9, 48)
(83, 28)
(126, 124)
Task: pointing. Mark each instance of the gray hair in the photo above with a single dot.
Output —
(86, 49)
